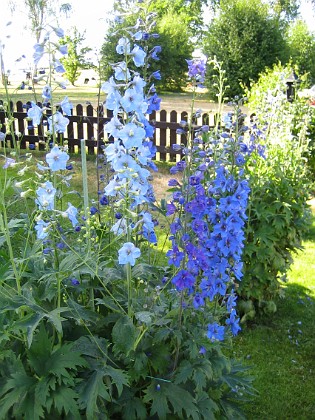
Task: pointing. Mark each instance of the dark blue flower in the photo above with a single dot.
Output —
(183, 280)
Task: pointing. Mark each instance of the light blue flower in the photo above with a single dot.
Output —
(46, 196)
(58, 31)
(58, 122)
(121, 71)
(63, 49)
(138, 56)
(123, 46)
(113, 187)
(71, 213)
(138, 36)
(113, 102)
(132, 135)
(110, 86)
(8, 162)
(36, 113)
(41, 228)
(46, 93)
(114, 151)
(113, 127)
(143, 154)
(38, 53)
(120, 227)
(132, 100)
(57, 159)
(138, 83)
(126, 166)
(59, 68)
(66, 106)
(128, 254)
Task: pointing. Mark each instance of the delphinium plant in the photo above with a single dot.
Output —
(91, 326)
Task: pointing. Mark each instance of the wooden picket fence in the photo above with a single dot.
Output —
(87, 123)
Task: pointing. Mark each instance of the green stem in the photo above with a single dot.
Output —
(84, 179)
(129, 288)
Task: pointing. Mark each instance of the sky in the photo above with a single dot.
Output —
(88, 15)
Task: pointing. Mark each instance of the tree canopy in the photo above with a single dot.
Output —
(246, 38)
(301, 43)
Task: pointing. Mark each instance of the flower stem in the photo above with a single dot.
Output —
(84, 178)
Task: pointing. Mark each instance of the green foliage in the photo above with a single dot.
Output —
(278, 213)
(246, 39)
(42, 383)
(176, 47)
(190, 12)
(76, 57)
(301, 43)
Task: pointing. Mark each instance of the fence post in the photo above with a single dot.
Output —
(163, 118)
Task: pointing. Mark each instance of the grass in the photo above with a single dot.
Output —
(83, 94)
(280, 350)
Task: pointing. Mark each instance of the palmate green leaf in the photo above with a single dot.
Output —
(200, 379)
(236, 378)
(182, 402)
(156, 394)
(64, 400)
(144, 271)
(30, 407)
(134, 409)
(30, 322)
(92, 346)
(15, 390)
(119, 378)
(207, 407)
(184, 372)
(144, 317)
(40, 351)
(55, 318)
(92, 391)
(78, 312)
(165, 395)
(62, 360)
(15, 302)
(99, 386)
(108, 302)
(124, 335)
(44, 388)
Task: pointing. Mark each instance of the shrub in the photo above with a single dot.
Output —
(280, 187)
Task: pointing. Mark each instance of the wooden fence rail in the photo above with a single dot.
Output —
(88, 123)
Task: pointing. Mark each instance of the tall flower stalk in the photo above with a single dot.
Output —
(210, 204)
(131, 152)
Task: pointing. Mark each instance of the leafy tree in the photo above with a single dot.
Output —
(286, 10)
(175, 42)
(75, 60)
(190, 12)
(301, 44)
(246, 39)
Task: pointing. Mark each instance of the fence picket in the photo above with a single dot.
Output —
(89, 124)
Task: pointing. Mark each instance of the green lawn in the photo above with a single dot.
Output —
(280, 349)
(83, 94)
